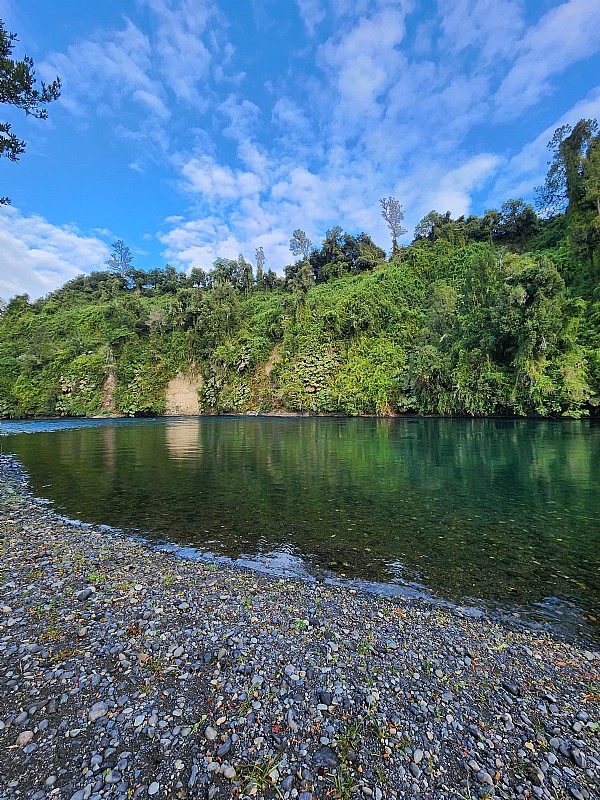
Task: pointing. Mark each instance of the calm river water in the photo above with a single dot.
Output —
(494, 513)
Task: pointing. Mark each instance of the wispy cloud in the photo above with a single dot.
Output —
(485, 29)
(182, 46)
(106, 70)
(365, 98)
(312, 13)
(362, 64)
(528, 167)
(37, 256)
(140, 78)
(565, 35)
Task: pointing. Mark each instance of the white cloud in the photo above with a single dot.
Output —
(217, 182)
(365, 106)
(140, 78)
(488, 27)
(565, 35)
(183, 54)
(243, 116)
(38, 257)
(312, 13)
(529, 166)
(153, 102)
(113, 64)
(363, 63)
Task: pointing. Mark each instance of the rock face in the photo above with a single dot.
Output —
(108, 392)
(182, 395)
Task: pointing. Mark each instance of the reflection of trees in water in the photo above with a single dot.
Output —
(482, 508)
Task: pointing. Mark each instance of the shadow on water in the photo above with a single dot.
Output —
(503, 513)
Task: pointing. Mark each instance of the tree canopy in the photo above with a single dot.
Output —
(491, 314)
(18, 88)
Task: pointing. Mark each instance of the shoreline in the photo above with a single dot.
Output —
(306, 415)
(130, 671)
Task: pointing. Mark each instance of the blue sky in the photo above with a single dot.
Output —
(193, 129)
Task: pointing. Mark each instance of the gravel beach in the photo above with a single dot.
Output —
(128, 671)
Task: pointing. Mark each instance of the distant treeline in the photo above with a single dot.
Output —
(498, 314)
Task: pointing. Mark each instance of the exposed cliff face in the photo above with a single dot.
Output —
(182, 395)
(108, 392)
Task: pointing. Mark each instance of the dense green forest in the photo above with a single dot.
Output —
(498, 314)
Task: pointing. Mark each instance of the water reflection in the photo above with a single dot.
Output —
(183, 440)
(488, 510)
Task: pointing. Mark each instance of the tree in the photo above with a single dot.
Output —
(301, 245)
(392, 212)
(564, 187)
(120, 258)
(516, 225)
(299, 277)
(17, 88)
(245, 277)
(572, 186)
(431, 225)
(260, 266)
(591, 174)
(331, 260)
(551, 197)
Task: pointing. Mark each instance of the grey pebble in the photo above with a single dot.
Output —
(415, 770)
(224, 748)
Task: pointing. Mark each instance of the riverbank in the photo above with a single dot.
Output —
(129, 671)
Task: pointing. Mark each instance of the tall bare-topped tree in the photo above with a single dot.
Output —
(260, 266)
(17, 88)
(120, 258)
(391, 211)
(301, 245)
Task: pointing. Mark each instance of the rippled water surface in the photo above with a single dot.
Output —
(497, 513)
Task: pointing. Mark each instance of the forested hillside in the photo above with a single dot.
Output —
(498, 314)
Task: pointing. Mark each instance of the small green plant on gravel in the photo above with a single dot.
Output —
(96, 577)
(153, 665)
(404, 742)
(300, 624)
(244, 706)
(197, 725)
(382, 777)
(466, 794)
(349, 739)
(51, 634)
(343, 784)
(168, 579)
(592, 691)
(366, 646)
(378, 731)
(257, 775)
(68, 591)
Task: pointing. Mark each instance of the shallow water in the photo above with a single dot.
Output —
(495, 513)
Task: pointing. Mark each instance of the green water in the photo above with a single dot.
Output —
(497, 513)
